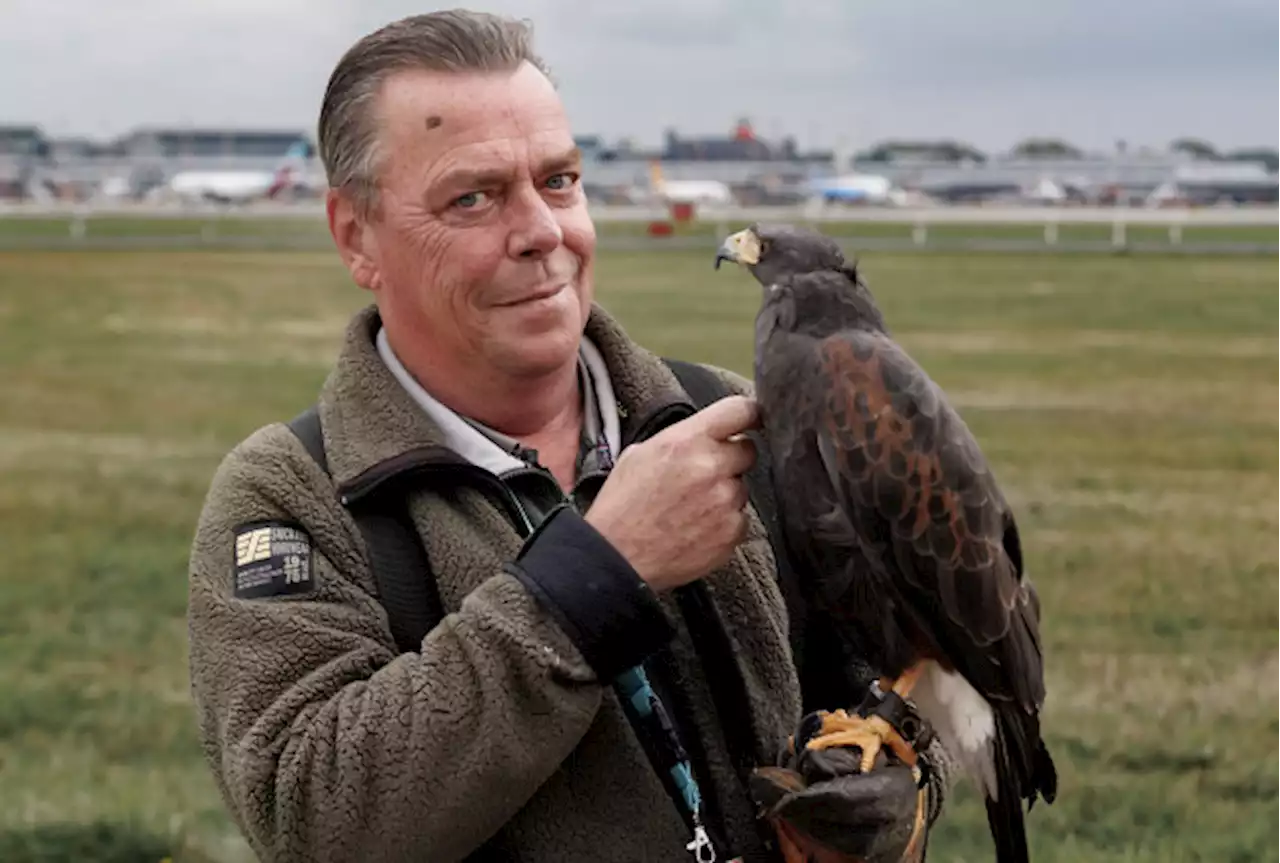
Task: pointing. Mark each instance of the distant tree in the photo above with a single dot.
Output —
(1045, 148)
(959, 152)
(1193, 147)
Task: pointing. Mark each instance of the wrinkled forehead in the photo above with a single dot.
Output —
(427, 117)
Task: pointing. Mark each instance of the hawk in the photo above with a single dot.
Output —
(897, 527)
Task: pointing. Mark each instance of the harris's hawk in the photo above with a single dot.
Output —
(897, 527)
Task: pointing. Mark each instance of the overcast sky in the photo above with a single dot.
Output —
(828, 71)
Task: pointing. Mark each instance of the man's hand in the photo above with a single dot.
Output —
(674, 505)
(824, 809)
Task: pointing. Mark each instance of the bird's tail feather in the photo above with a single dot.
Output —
(1004, 814)
(1044, 775)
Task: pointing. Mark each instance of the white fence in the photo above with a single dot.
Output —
(991, 228)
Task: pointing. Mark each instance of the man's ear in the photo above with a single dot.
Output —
(355, 242)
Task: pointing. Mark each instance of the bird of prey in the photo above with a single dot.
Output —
(897, 526)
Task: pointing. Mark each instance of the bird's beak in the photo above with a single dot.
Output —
(741, 248)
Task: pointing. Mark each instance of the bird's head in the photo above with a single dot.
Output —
(806, 279)
(771, 252)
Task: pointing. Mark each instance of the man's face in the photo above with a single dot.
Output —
(482, 249)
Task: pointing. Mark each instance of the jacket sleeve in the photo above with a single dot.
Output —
(326, 743)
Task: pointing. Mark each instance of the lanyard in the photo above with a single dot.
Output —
(634, 689)
(643, 703)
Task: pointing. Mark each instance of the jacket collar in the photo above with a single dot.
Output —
(373, 428)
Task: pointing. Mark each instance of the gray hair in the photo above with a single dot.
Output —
(456, 41)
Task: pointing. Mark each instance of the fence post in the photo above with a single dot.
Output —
(1118, 233)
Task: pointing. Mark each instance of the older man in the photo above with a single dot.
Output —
(614, 656)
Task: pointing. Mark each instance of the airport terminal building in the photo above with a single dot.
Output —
(140, 163)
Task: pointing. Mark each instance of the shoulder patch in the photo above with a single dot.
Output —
(272, 558)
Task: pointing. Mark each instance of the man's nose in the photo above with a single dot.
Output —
(535, 233)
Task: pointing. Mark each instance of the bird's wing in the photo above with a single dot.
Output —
(905, 482)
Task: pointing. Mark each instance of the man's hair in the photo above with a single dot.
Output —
(454, 41)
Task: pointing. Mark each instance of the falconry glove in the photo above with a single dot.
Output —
(824, 808)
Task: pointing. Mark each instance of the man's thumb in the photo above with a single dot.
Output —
(730, 416)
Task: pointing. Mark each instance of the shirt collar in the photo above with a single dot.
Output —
(493, 451)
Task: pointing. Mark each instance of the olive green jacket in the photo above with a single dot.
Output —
(501, 736)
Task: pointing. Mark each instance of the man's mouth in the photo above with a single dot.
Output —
(535, 296)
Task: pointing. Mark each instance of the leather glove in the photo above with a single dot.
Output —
(824, 810)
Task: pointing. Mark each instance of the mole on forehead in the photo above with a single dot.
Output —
(434, 121)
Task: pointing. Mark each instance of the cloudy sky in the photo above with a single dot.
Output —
(830, 72)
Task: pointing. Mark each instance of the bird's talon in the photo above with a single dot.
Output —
(869, 735)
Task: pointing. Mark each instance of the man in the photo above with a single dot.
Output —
(586, 530)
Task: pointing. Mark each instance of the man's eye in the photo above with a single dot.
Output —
(469, 200)
(560, 182)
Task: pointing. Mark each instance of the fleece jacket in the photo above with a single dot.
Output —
(501, 737)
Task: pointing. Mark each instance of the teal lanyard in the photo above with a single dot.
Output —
(633, 687)
(636, 693)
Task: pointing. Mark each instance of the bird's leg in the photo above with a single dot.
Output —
(869, 733)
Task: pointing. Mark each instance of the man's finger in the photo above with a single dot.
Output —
(728, 416)
(739, 456)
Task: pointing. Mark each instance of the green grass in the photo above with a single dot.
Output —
(1129, 406)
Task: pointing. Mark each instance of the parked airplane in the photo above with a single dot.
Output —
(687, 191)
(854, 188)
(1207, 185)
(236, 187)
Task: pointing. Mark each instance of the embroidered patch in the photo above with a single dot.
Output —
(273, 558)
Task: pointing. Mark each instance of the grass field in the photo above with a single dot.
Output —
(1129, 406)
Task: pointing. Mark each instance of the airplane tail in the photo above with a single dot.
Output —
(290, 167)
(656, 182)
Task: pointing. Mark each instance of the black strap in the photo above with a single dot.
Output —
(306, 426)
(704, 387)
(396, 556)
(399, 563)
